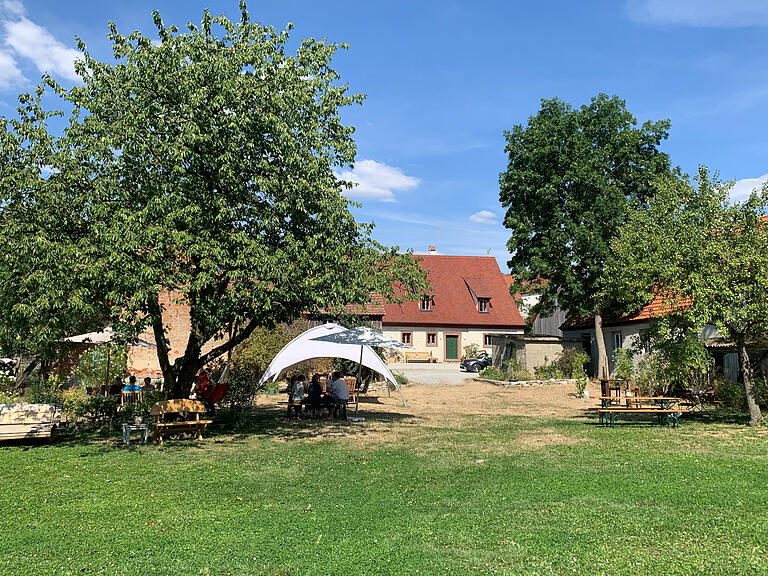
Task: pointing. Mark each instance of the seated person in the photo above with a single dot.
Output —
(148, 386)
(336, 390)
(205, 385)
(289, 388)
(132, 386)
(116, 387)
(315, 391)
(298, 389)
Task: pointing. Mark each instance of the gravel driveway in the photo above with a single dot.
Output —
(435, 374)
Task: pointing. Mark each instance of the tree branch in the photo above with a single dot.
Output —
(237, 338)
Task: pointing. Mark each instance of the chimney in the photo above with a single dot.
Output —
(432, 250)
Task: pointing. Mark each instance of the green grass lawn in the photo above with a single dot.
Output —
(490, 495)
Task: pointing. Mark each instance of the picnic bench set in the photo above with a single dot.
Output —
(666, 409)
(337, 409)
(23, 421)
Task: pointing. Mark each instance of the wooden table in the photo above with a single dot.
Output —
(662, 407)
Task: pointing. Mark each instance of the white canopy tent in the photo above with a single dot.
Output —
(305, 347)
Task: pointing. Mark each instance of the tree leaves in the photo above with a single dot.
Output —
(573, 177)
(203, 166)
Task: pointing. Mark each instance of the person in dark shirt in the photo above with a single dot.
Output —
(315, 391)
(116, 387)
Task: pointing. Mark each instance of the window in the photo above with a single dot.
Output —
(482, 305)
(405, 337)
(646, 342)
(487, 340)
(431, 338)
(618, 340)
(425, 304)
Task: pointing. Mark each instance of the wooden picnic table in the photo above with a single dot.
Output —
(662, 407)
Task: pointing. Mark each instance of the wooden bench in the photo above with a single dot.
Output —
(186, 408)
(22, 421)
(416, 356)
(294, 409)
(665, 415)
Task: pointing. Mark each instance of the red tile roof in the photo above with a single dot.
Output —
(452, 303)
(661, 304)
(373, 308)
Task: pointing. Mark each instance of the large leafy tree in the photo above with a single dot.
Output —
(201, 165)
(708, 256)
(574, 176)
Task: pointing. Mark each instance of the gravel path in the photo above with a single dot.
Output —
(432, 374)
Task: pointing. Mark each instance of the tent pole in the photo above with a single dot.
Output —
(360, 367)
(106, 375)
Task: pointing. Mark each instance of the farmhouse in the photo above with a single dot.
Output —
(469, 301)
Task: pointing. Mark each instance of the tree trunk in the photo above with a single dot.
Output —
(158, 330)
(602, 355)
(749, 386)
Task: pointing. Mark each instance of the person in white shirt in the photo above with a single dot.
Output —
(338, 389)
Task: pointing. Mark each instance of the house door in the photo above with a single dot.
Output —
(451, 347)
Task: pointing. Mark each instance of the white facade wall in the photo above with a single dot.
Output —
(467, 336)
(627, 334)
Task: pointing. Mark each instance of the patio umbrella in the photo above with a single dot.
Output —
(105, 337)
(363, 336)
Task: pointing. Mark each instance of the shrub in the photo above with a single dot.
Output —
(548, 371)
(91, 369)
(492, 373)
(102, 408)
(8, 392)
(730, 393)
(46, 391)
(76, 403)
(650, 377)
(577, 371)
(402, 379)
(470, 351)
(520, 374)
(623, 365)
(570, 359)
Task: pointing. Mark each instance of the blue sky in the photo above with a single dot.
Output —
(444, 80)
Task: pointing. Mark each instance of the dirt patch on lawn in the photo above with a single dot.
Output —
(544, 438)
(448, 408)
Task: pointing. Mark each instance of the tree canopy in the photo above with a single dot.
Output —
(706, 255)
(574, 175)
(200, 165)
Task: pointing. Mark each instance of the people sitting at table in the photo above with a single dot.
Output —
(132, 386)
(336, 392)
(116, 387)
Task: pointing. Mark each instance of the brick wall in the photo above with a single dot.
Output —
(142, 361)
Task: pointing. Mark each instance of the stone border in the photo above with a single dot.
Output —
(526, 383)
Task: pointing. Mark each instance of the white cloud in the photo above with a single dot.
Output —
(33, 42)
(743, 188)
(702, 13)
(13, 7)
(10, 75)
(484, 217)
(376, 181)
